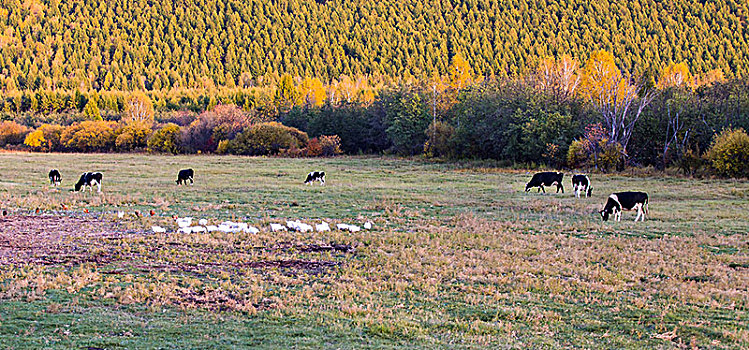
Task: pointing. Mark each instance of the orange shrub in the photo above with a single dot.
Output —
(314, 149)
(52, 135)
(12, 133)
(330, 145)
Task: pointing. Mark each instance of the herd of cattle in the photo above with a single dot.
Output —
(615, 204)
(581, 184)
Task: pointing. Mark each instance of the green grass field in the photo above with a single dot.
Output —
(459, 257)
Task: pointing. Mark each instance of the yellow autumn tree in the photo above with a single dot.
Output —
(614, 96)
(460, 72)
(138, 108)
(711, 77)
(311, 92)
(675, 75)
(558, 77)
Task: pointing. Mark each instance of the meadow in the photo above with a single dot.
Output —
(459, 257)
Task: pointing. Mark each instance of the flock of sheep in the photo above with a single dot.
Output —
(91, 179)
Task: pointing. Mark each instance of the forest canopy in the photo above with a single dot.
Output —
(158, 45)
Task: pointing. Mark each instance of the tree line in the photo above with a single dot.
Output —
(564, 113)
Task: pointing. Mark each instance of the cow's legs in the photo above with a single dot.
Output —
(639, 212)
(542, 189)
(191, 181)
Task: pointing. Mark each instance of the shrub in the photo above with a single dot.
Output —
(35, 140)
(89, 136)
(605, 156)
(133, 135)
(729, 153)
(314, 149)
(330, 145)
(690, 162)
(577, 155)
(439, 135)
(165, 139)
(12, 133)
(52, 135)
(267, 139)
(223, 122)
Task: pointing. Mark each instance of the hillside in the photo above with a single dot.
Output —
(127, 45)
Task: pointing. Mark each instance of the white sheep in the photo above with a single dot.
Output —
(277, 227)
(322, 227)
(184, 222)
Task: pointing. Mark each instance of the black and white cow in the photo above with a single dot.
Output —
(581, 184)
(547, 178)
(184, 175)
(90, 180)
(315, 176)
(625, 201)
(54, 177)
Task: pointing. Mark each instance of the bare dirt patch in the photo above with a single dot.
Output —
(47, 239)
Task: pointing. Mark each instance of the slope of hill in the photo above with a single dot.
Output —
(138, 44)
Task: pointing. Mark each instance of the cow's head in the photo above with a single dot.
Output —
(605, 213)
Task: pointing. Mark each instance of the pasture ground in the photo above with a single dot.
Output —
(459, 257)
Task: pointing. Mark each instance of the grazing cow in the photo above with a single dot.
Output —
(184, 175)
(89, 179)
(54, 177)
(581, 184)
(315, 175)
(546, 179)
(625, 201)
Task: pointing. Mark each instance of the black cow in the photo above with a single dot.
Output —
(581, 184)
(547, 178)
(625, 201)
(89, 179)
(184, 175)
(54, 177)
(315, 176)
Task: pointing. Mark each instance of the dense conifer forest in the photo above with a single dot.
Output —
(153, 45)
